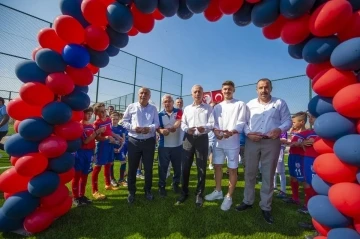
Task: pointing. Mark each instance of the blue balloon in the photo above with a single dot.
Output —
(347, 149)
(320, 186)
(295, 51)
(84, 89)
(319, 105)
(120, 17)
(76, 55)
(20, 205)
(56, 113)
(146, 6)
(44, 184)
(183, 11)
(17, 146)
(73, 145)
(355, 5)
(119, 40)
(346, 56)
(292, 9)
(99, 58)
(342, 233)
(35, 129)
(319, 49)
(168, 8)
(266, 12)
(112, 51)
(325, 213)
(62, 164)
(28, 71)
(243, 16)
(50, 61)
(8, 224)
(77, 100)
(197, 6)
(333, 126)
(125, 2)
(73, 8)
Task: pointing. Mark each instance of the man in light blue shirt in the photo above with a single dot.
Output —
(4, 121)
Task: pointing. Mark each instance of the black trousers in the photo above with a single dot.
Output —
(197, 145)
(140, 149)
(2, 135)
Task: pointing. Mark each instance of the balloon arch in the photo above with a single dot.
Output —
(325, 33)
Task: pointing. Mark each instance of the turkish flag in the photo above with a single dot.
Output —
(207, 99)
(217, 96)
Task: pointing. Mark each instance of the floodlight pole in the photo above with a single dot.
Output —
(133, 98)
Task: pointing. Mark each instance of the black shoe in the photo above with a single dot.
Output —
(199, 201)
(242, 207)
(182, 199)
(76, 202)
(306, 225)
(176, 188)
(267, 216)
(85, 201)
(162, 192)
(312, 236)
(131, 198)
(149, 196)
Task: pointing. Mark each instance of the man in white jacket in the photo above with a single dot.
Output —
(229, 120)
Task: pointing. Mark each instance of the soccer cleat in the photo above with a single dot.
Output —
(111, 188)
(281, 195)
(140, 176)
(291, 201)
(98, 196)
(215, 195)
(211, 167)
(85, 201)
(114, 183)
(303, 210)
(76, 202)
(123, 183)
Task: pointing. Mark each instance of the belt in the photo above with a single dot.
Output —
(195, 136)
(141, 140)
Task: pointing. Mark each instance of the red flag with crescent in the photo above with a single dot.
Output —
(217, 96)
(207, 97)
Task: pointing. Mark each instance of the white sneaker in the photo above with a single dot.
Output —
(211, 167)
(215, 195)
(226, 204)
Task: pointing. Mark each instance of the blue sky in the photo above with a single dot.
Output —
(205, 53)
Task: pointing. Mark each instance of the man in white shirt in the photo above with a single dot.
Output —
(196, 123)
(229, 120)
(141, 120)
(267, 117)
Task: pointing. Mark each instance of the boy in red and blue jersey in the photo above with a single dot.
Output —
(83, 160)
(104, 153)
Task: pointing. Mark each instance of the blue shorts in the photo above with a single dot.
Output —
(308, 169)
(83, 160)
(120, 156)
(104, 153)
(125, 149)
(296, 166)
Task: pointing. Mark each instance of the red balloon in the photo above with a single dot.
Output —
(13, 160)
(80, 76)
(35, 93)
(313, 69)
(328, 82)
(323, 230)
(12, 182)
(63, 208)
(96, 38)
(93, 69)
(48, 38)
(323, 146)
(16, 125)
(346, 198)
(213, 13)
(273, 31)
(133, 32)
(295, 31)
(38, 221)
(7, 195)
(230, 6)
(69, 29)
(20, 110)
(94, 11)
(70, 131)
(60, 83)
(77, 116)
(157, 15)
(53, 146)
(67, 176)
(347, 101)
(253, 1)
(352, 29)
(331, 169)
(357, 224)
(144, 23)
(330, 18)
(31, 164)
(107, 2)
(56, 198)
(320, 237)
(35, 51)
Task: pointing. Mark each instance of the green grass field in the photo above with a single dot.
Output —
(161, 218)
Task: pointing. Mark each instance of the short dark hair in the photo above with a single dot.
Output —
(179, 98)
(2, 100)
(90, 109)
(264, 79)
(302, 115)
(229, 83)
(111, 106)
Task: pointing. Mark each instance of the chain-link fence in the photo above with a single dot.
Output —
(116, 85)
(295, 90)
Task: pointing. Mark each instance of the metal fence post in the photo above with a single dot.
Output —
(97, 87)
(161, 84)
(133, 98)
(181, 85)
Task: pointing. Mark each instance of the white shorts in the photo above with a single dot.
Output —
(281, 165)
(232, 156)
(211, 148)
